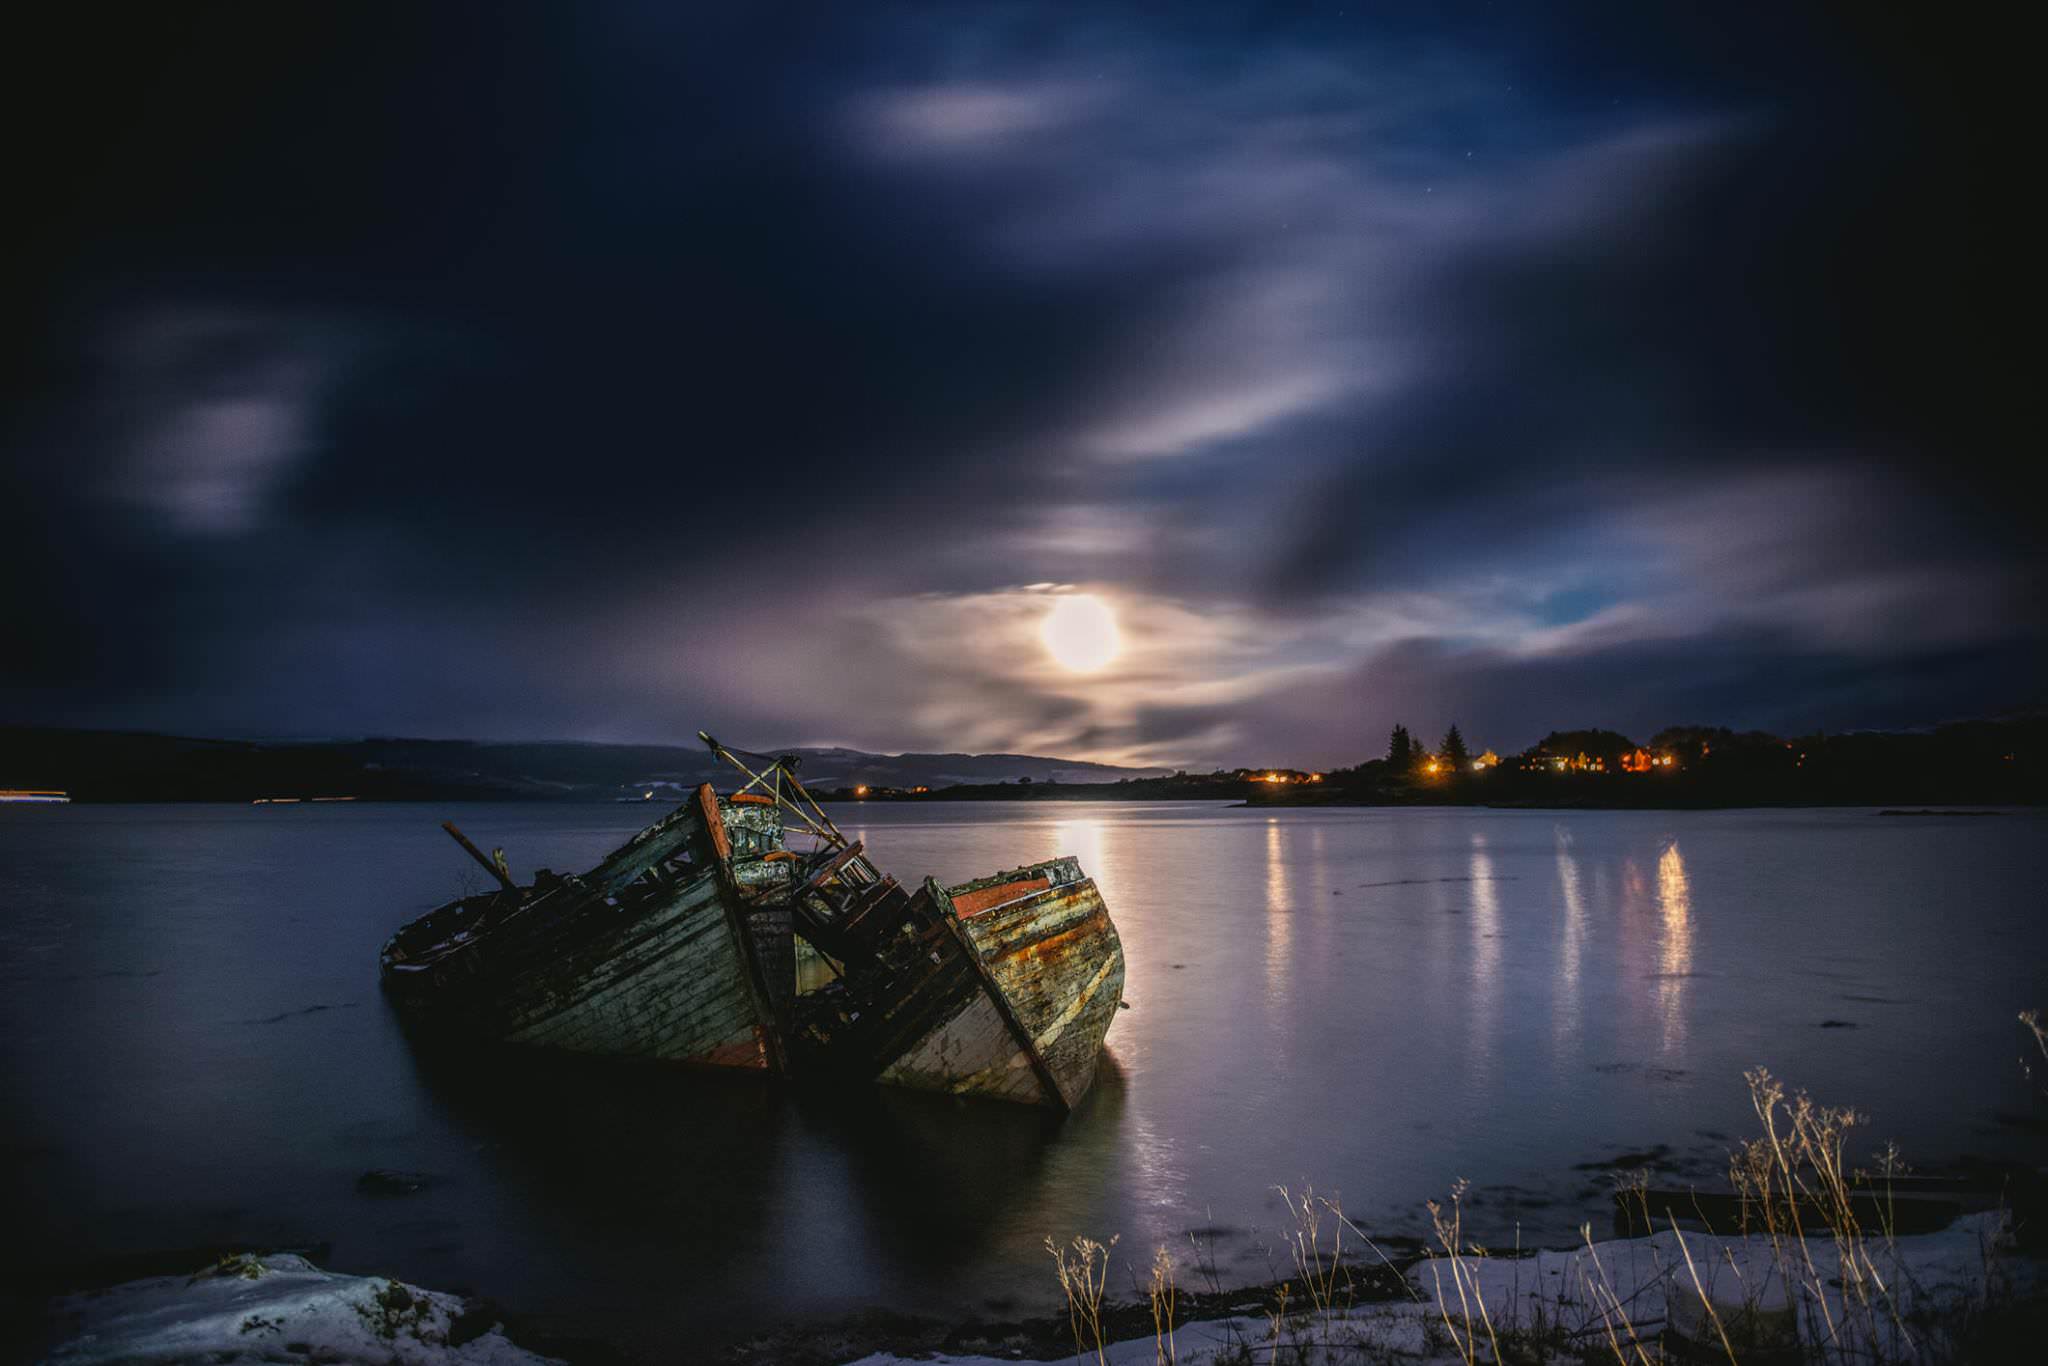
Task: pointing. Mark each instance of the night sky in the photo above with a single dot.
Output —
(608, 371)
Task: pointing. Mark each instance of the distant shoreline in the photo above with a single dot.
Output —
(1974, 764)
(1143, 792)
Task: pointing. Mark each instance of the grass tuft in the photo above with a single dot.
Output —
(1813, 1275)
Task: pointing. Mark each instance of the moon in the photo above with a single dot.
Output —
(1080, 632)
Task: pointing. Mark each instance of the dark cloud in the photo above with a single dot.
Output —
(1754, 677)
(607, 371)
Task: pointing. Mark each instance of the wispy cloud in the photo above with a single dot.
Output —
(216, 409)
(973, 119)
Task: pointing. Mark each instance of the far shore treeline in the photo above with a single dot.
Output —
(1979, 762)
(1987, 763)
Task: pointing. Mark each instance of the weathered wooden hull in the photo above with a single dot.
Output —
(1044, 979)
(647, 956)
(705, 940)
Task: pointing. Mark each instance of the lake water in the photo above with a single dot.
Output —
(1379, 1002)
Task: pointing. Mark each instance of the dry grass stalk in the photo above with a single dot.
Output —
(1706, 1300)
(1083, 1268)
(1325, 1279)
(1600, 1290)
(1164, 1295)
(1799, 1173)
(1450, 1235)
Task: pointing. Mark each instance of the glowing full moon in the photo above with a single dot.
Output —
(1080, 631)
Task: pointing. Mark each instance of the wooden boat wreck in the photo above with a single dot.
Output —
(708, 939)
(647, 955)
(1001, 987)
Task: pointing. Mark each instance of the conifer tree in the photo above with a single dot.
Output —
(1400, 749)
(1454, 749)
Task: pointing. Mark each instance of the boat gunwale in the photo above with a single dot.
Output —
(1042, 868)
(1017, 905)
(590, 884)
(586, 890)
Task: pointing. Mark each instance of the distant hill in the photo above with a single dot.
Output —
(840, 767)
(131, 766)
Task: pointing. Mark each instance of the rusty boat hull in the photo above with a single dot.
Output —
(1052, 967)
(1002, 988)
(649, 955)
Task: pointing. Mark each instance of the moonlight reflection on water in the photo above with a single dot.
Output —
(1376, 1001)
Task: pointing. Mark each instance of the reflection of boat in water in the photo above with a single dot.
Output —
(709, 939)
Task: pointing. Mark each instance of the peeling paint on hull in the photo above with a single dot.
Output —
(1055, 961)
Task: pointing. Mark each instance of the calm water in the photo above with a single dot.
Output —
(195, 1049)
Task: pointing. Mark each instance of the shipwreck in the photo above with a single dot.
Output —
(747, 931)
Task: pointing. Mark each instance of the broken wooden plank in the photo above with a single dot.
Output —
(495, 867)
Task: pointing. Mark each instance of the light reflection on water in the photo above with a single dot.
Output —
(1487, 987)
(1376, 1001)
(1279, 913)
(1571, 944)
(1674, 899)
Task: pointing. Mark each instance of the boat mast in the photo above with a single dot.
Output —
(771, 780)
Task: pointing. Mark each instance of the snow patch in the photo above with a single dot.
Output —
(279, 1308)
(1576, 1292)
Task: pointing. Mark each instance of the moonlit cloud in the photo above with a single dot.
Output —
(1189, 420)
(1515, 369)
(969, 118)
(219, 411)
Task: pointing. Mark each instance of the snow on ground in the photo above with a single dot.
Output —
(279, 1308)
(283, 1309)
(1626, 1285)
